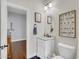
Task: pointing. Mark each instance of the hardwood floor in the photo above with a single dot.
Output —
(19, 49)
(9, 49)
(16, 50)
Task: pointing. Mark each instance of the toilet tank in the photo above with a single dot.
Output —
(66, 51)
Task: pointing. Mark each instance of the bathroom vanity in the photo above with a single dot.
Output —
(45, 47)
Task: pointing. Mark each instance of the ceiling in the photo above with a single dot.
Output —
(45, 2)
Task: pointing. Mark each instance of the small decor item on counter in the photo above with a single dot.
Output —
(35, 29)
(49, 19)
(37, 17)
(47, 35)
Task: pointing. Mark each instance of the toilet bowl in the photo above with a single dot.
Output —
(65, 51)
(58, 57)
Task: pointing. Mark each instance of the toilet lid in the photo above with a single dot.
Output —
(58, 57)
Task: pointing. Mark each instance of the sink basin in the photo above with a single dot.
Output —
(45, 38)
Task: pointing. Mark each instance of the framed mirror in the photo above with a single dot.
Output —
(49, 20)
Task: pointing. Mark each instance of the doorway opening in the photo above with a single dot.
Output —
(16, 33)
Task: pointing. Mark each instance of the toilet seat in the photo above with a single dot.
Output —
(58, 57)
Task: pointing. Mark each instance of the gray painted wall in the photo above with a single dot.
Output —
(19, 25)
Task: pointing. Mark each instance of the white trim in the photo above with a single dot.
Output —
(3, 29)
(16, 6)
(18, 40)
(28, 18)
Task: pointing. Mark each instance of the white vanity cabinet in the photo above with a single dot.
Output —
(44, 47)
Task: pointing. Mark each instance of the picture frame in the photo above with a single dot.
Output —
(67, 24)
(49, 20)
(37, 17)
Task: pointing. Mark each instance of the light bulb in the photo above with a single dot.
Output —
(50, 5)
(45, 8)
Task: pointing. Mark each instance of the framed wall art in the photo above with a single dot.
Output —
(37, 17)
(49, 19)
(67, 24)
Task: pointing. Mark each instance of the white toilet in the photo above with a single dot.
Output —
(65, 51)
(58, 57)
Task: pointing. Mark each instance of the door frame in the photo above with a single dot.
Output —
(4, 5)
(3, 28)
